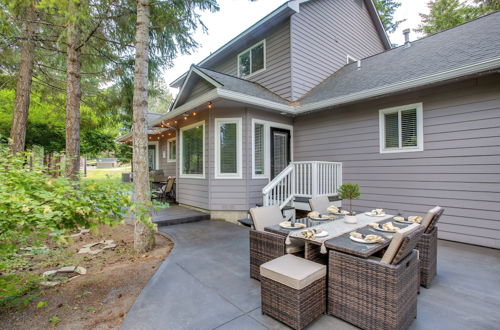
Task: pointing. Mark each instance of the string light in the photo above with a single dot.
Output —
(176, 121)
(185, 117)
(194, 113)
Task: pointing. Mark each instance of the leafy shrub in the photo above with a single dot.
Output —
(34, 205)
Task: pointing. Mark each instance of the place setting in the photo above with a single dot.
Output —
(366, 239)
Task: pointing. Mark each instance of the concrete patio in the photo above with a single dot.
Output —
(205, 284)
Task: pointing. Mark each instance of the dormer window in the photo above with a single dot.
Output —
(252, 60)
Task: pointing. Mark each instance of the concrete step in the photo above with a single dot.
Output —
(176, 214)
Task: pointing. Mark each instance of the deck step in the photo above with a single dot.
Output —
(176, 214)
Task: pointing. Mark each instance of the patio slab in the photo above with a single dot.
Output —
(205, 284)
(177, 214)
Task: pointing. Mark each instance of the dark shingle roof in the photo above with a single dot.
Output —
(242, 86)
(467, 44)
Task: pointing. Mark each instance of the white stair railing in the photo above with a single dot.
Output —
(280, 190)
(303, 179)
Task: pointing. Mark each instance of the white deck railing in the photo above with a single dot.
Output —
(303, 179)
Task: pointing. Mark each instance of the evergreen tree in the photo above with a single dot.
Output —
(386, 10)
(445, 14)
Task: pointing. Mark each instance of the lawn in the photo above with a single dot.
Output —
(101, 174)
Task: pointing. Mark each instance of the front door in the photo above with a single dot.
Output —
(280, 150)
(152, 157)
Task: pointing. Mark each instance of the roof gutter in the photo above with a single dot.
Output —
(434, 78)
(287, 5)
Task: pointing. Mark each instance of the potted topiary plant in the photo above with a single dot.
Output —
(349, 191)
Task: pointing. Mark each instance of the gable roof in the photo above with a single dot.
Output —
(468, 49)
(465, 49)
(277, 16)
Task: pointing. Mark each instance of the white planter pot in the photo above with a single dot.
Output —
(350, 219)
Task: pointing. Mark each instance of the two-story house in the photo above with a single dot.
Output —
(313, 95)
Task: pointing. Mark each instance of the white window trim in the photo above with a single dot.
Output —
(420, 128)
(157, 153)
(249, 48)
(169, 158)
(239, 148)
(181, 157)
(267, 145)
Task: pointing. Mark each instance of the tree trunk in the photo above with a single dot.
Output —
(144, 239)
(23, 85)
(73, 96)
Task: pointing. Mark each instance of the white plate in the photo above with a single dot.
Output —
(324, 233)
(385, 231)
(360, 240)
(374, 215)
(320, 219)
(404, 221)
(297, 226)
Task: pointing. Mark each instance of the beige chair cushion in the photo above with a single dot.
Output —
(266, 216)
(296, 245)
(319, 204)
(292, 271)
(397, 239)
(429, 216)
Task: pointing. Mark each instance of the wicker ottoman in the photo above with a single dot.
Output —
(427, 248)
(293, 290)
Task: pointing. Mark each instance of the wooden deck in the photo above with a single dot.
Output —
(176, 214)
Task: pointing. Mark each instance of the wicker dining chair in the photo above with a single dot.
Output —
(427, 246)
(266, 246)
(319, 204)
(377, 293)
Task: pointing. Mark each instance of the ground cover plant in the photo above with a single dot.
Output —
(36, 207)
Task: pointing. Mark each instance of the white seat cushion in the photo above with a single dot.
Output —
(429, 216)
(396, 242)
(292, 271)
(319, 204)
(266, 216)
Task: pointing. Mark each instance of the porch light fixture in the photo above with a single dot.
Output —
(209, 105)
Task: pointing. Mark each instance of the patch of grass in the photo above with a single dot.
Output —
(105, 174)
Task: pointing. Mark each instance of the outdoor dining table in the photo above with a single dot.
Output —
(338, 236)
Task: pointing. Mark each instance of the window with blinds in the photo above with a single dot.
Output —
(401, 129)
(193, 150)
(228, 148)
(172, 150)
(259, 154)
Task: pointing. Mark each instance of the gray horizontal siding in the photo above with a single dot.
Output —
(169, 168)
(194, 192)
(322, 34)
(277, 76)
(227, 194)
(459, 168)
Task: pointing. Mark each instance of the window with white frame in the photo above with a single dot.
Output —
(252, 60)
(192, 150)
(172, 150)
(401, 129)
(259, 149)
(228, 148)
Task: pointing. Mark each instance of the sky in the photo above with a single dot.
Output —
(236, 16)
